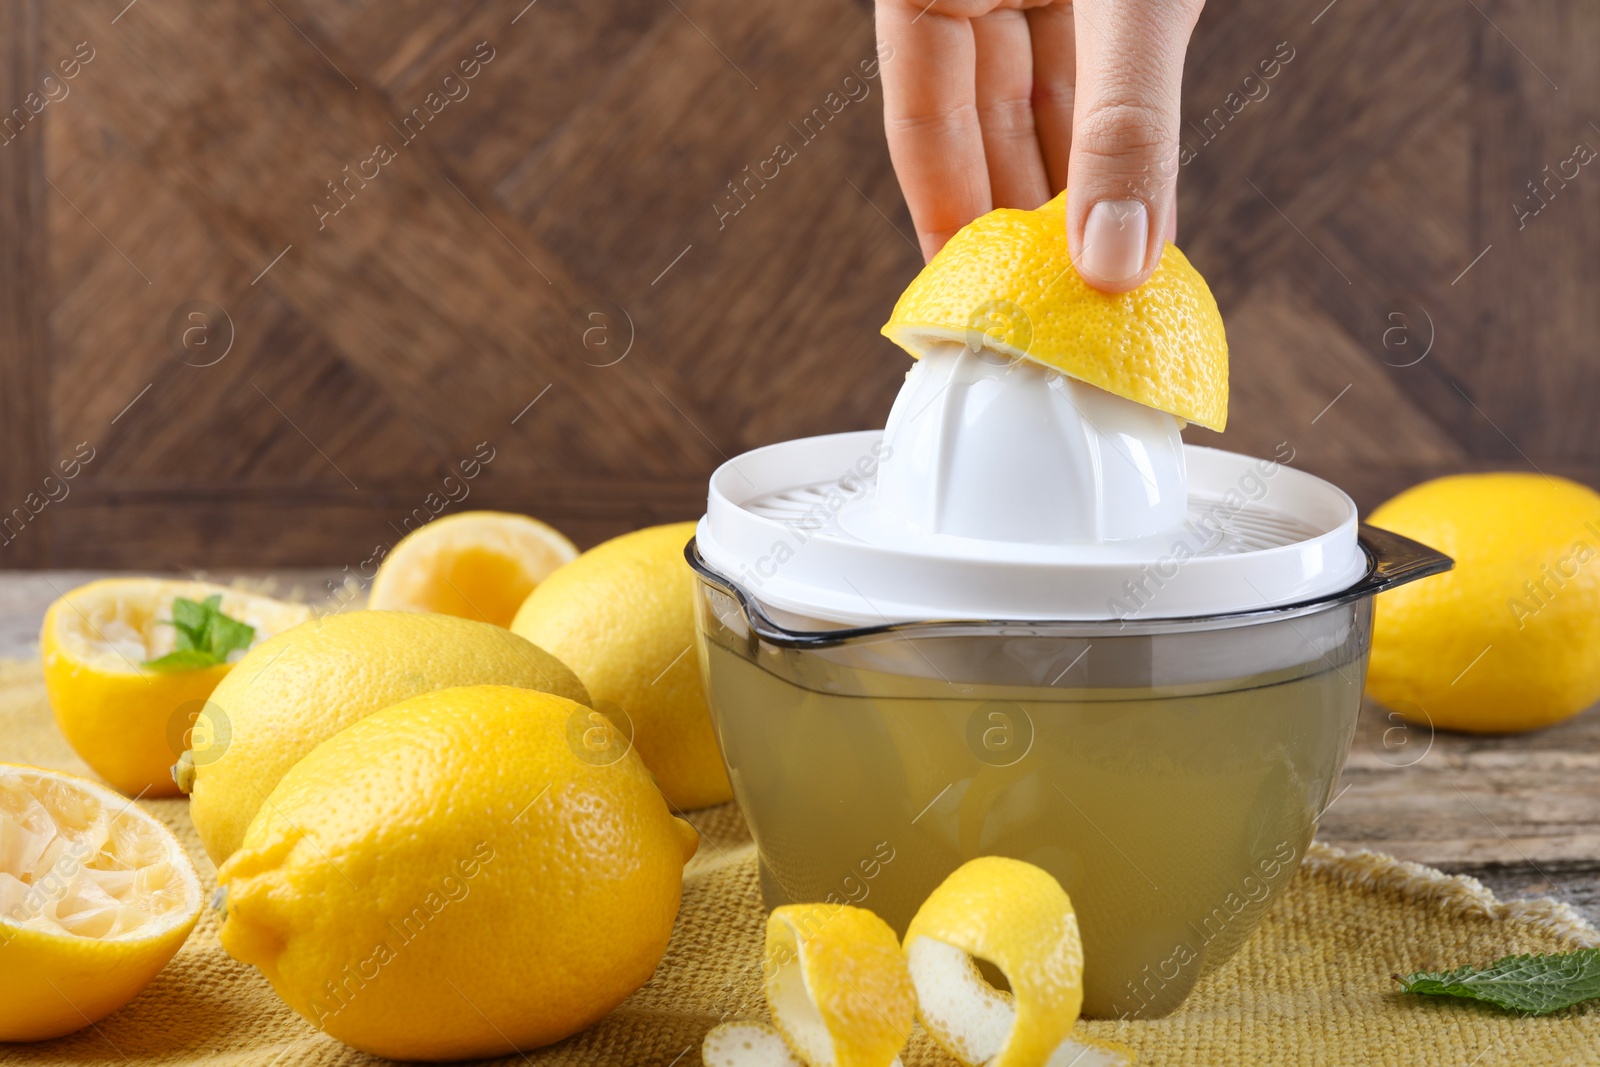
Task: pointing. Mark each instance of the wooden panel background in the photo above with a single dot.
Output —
(1360, 215)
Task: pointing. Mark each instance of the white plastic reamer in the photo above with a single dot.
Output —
(1004, 490)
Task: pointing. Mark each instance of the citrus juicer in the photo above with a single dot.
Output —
(1025, 619)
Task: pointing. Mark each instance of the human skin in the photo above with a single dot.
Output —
(1002, 103)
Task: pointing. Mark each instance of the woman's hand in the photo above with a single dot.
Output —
(1002, 103)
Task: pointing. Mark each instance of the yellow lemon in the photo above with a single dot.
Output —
(1018, 918)
(129, 721)
(837, 985)
(622, 616)
(302, 687)
(1006, 282)
(458, 876)
(1510, 639)
(96, 897)
(478, 565)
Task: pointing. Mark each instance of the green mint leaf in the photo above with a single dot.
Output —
(205, 636)
(1533, 985)
(183, 659)
(225, 635)
(191, 615)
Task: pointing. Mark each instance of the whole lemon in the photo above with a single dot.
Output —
(466, 873)
(622, 616)
(305, 685)
(1510, 639)
(476, 564)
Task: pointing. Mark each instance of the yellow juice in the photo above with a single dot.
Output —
(1172, 816)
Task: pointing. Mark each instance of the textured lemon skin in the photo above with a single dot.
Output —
(466, 883)
(855, 973)
(40, 970)
(305, 685)
(1008, 274)
(1504, 531)
(622, 616)
(1019, 918)
(37, 968)
(119, 717)
(476, 565)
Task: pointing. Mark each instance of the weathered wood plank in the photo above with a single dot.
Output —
(24, 293)
(1538, 205)
(598, 144)
(427, 288)
(769, 321)
(1458, 800)
(152, 526)
(1339, 107)
(1299, 379)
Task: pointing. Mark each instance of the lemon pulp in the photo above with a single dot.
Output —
(95, 897)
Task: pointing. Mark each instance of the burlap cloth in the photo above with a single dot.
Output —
(1310, 987)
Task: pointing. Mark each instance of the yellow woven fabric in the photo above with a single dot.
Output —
(1310, 987)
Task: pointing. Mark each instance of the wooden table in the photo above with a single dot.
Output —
(1520, 813)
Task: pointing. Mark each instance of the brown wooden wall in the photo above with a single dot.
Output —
(1395, 307)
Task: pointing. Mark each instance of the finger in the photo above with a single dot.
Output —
(1125, 135)
(1055, 67)
(1004, 82)
(930, 115)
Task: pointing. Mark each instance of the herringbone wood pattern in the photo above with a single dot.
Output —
(520, 227)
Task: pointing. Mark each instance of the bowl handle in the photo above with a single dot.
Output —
(1396, 560)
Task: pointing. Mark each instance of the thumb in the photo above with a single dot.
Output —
(1122, 174)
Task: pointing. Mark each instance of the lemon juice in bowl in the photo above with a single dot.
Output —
(1026, 620)
(1172, 815)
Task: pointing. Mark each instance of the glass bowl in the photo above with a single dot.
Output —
(1168, 772)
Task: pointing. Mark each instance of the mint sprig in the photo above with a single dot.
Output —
(1532, 985)
(205, 635)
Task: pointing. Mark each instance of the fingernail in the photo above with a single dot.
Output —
(1114, 240)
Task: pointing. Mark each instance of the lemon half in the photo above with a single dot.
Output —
(477, 565)
(1006, 282)
(127, 721)
(96, 897)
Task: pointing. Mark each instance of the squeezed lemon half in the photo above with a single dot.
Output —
(478, 565)
(128, 721)
(96, 897)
